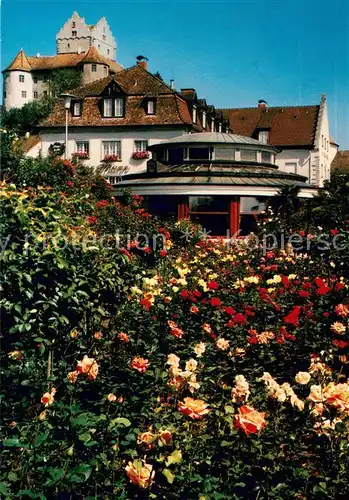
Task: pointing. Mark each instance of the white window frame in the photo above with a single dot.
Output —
(187, 153)
(21, 78)
(219, 127)
(94, 68)
(77, 105)
(110, 110)
(82, 147)
(140, 145)
(195, 114)
(151, 107)
(212, 125)
(111, 148)
(263, 136)
(118, 106)
(204, 119)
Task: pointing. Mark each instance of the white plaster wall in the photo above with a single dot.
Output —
(95, 138)
(82, 39)
(301, 157)
(14, 88)
(35, 151)
(106, 47)
(332, 152)
(322, 144)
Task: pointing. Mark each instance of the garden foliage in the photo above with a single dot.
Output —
(186, 369)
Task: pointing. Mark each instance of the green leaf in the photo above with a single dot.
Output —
(229, 409)
(3, 489)
(84, 469)
(169, 476)
(174, 458)
(120, 421)
(85, 438)
(13, 443)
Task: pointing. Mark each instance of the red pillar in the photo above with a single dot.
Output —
(183, 208)
(234, 215)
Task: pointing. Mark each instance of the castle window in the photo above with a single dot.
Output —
(73, 24)
(104, 37)
(150, 107)
(36, 95)
(21, 78)
(73, 33)
(24, 93)
(108, 51)
(105, 70)
(35, 79)
(94, 68)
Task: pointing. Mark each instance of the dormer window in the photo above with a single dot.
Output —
(76, 111)
(194, 114)
(212, 125)
(113, 107)
(263, 136)
(220, 127)
(204, 119)
(150, 107)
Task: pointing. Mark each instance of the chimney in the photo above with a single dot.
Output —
(143, 64)
(172, 85)
(38, 55)
(262, 104)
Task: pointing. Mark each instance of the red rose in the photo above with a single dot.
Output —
(341, 344)
(92, 219)
(304, 294)
(215, 302)
(102, 203)
(229, 310)
(163, 253)
(212, 285)
(240, 319)
(334, 232)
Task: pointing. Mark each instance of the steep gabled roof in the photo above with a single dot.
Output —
(341, 162)
(93, 56)
(20, 62)
(288, 126)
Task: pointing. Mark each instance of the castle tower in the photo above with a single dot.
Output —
(18, 82)
(76, 37)
(93, 66)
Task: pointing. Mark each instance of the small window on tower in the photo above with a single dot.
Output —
(108, 51)
(21, 78)
(73, 33)
(104, 37)
(94, 68)
(73, 24)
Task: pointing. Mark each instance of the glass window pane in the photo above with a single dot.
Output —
(107, 107)
(266, 157)
(208, 203)
(198, 153)
(250, 204)
(224, 153)
(119, 106)
(151, 107)
(82, 147)
(141, 146)
(214, 225)
(248, 155)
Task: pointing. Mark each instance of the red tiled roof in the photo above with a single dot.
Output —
(41, 63)
(137, 83)
(288, 126)
(341, 161)
(20, 62)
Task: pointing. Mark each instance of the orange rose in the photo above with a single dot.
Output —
(337, 395)
(124, 337)
(146, 438)
(89, 367)
(140, 473)
(48, 398)
(175, 330)
(111, 397)
(249, 420)
(302, 378)
(194, 408)
(140, 364)
(72, 376)
(165, 437)
(98, 335)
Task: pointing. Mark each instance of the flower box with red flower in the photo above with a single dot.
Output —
(110, 158)
(81, 155)
(140, 155)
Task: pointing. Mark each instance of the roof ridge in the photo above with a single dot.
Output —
(271, 107)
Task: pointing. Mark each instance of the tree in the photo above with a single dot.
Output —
(64, 79)
(158, 75)
(26, 118)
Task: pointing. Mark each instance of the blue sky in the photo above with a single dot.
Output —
(232, 52)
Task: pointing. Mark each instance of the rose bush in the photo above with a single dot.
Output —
(207, 372)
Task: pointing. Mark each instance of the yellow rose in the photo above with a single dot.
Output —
(302, 378)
